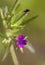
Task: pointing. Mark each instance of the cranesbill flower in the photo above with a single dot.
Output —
(21, 41)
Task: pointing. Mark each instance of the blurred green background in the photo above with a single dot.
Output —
(35, 31)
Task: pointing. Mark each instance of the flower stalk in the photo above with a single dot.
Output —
(13, 55)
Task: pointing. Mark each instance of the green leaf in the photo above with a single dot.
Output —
(17, 2)
(29, 20)
(6, 52)
(11, 20)
(22, 14)
(15, 30)
(20, 18)
(17, 7)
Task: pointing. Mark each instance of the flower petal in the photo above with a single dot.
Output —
(21, 37)
(24, 42)
(20, 45)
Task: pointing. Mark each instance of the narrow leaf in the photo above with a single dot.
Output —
(13, 54)
(6, 53)
(19, 20)
(30, 48)
(29, 20)
(14, 6)
(22, 14)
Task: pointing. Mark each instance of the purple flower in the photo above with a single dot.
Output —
(21, 41)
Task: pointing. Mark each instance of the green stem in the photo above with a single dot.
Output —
(13, 54)
(3, 19)
(16, 3)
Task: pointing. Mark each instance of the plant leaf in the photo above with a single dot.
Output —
(6, 53)
(22, 14)
(17, 2)
(19, 20)
(29, 20)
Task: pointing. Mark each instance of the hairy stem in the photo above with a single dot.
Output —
(13, 54)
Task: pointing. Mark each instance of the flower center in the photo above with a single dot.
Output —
(21, 41)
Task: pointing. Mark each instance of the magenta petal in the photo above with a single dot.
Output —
(21, 37)
(21, 41)
(20, 45)
(24, 42)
